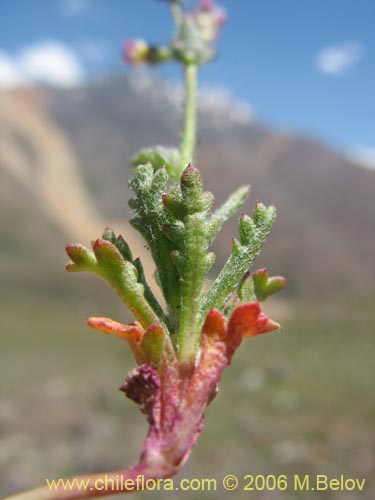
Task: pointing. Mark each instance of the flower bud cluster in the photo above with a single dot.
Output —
(193, 42)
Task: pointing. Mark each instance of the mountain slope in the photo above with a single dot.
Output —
(64, 166)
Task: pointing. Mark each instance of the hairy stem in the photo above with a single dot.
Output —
(176, 13)
(192, 278)
(189, 130)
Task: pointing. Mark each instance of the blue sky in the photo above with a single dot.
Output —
(302, 65)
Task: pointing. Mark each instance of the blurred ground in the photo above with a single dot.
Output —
(299, 401)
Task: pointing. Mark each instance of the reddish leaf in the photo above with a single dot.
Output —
(132, 332)
(214, 325)
(248, 320)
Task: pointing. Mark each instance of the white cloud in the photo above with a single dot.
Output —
(49, 62)
(74, 7)
(363, 156)
(337, 59)
(10, 75)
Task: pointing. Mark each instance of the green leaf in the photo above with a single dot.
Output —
(123, 248)
(252, 236)
(264, 285)
(109, 259)
(247, 230)
(246, 292)
(175, 232)
(193, 198)
(106, 261)
(191, 238)
(228, 209)
(159, 157)
(150, 297)
(119, 242)
(174, 204)
(83, 259)
(152, 345)
(109, 235)
(150, 221)
(264, 217)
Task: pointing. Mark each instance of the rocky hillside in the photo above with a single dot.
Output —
(64, 165)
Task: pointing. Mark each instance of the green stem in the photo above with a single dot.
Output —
(176, 13)
(192, 277)
(189, 131)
